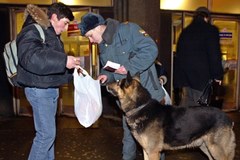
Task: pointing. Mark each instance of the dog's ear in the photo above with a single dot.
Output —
(128, 79)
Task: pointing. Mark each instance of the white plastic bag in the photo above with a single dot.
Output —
(87, 98)
(167, 98)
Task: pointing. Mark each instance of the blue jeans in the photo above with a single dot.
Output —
(129, 144)
(44, 106)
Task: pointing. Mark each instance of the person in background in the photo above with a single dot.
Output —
(130, 46)
(43, 67)
(198, 57)
(161, 72)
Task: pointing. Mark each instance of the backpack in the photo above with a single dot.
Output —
(11, 58)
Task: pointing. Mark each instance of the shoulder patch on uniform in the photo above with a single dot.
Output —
(143, 32)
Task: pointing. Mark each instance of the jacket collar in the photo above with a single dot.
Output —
(112, 26)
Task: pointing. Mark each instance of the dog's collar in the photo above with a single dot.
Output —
(133, 111)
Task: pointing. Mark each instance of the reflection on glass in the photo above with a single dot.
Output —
(229, 47)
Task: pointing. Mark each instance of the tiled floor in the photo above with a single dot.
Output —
(100, 142)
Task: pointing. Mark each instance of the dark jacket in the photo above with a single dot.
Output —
(41, 65)
(198, 56)
(130, 46)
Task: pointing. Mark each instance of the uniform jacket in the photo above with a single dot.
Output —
(198, 56)
(41, 65)
(129, 45)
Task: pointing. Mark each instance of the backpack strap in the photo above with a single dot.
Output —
(40, 30)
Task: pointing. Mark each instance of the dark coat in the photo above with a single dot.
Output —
(198, 56)
(41, 65)
(130, 46)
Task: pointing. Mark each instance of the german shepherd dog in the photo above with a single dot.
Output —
(160, 127)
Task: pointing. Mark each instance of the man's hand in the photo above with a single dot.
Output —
(218, 81)
(121, 70)
(72, 62)
(102, 78)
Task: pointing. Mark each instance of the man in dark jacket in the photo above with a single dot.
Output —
(198, 57)
(42, 68)
(130, 46)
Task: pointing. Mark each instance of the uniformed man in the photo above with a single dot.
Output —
(130, 46)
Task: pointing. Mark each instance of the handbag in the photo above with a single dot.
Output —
(87, 98)
(205, 98)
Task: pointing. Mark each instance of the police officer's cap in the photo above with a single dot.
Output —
(90, 21)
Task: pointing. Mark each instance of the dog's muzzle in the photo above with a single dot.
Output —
(110, 90)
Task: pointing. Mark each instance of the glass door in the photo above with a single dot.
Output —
(76, 45)
(229, 39)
